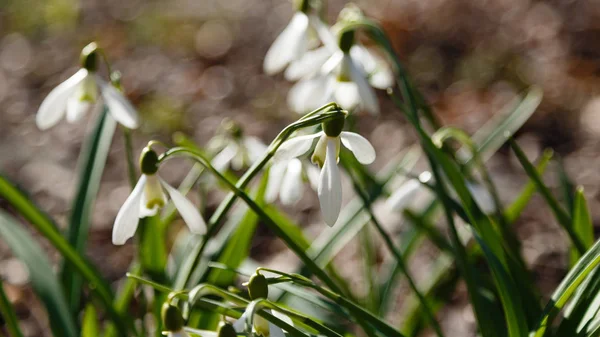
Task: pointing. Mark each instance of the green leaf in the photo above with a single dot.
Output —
(563, 218)
(42, 278)
(89, 327)
(42, 223)
(567, 287)
(582, 224)
(8, 314)
(92, 160)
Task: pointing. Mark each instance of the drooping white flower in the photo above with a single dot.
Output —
(286, 180)
(326, 155)
(147, 197)
(234, 149)
(79, 94)
(261, 326)
(403, 195)
(344, 77)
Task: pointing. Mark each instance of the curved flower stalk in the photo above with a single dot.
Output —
(147, 197)
(79, 94)
(326, 155)
(298, 38)
(235, 149)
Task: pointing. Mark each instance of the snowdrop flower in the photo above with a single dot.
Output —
(295, 40)
(286, 180)
(148, 197)
(78, 95)
(347, 76)
(234, 149)
(326, 155)
(403, 195)
(258, 288)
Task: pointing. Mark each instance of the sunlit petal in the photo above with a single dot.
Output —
(276, 174)
(222, 160)
(76, 108)
(360, 147)
(288, 46)
(53, 107)
(128, 217)
(366, 92)
(275, 331)
(201, 333)
(296, 147)
(403, 195)
(183, 333)
(318, 156)
(240, 324)
(333, 62)
(330, 186)
(118, 106)
(346, 94)
(310, 94)
(283, 317)
(256, 148)
(307, 65)
(313, 174)
(188, 211)
(292, 187)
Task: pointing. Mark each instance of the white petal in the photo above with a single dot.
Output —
(296, 147)
(202, 333)
(379, 73)
(330, 186)
(283, 317)
(325, 34)
(360, 146)
(240, 324)
(222, 160)
(128, 216)
(363, 57)
(275, 331)
(482, 197)
(333, 63)
(313, 175)
(307, 65)
(276, 174)
(256, 148)
(188, 211)
(182, 333)
(153, 196)
(310, 94)
(54, 105)
(346, 94)
(288, 46)
(367, 94)
(76, 108)
(292, 187)
(403, 195)
(118, 106)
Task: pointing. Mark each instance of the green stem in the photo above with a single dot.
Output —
(131, 171)
(9, 315)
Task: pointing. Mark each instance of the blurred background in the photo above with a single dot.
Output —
(188, 64)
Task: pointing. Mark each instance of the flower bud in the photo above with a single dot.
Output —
(89, 57)
(148, 161)
(258, 287)
(302, 5)
(171, 317)
(232, 128)
(225, 329)
(334, 127)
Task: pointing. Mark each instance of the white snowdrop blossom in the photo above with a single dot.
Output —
(147, 197)
(298, 38)
(79, 94)
(326, 155)
(234, 149)
(403, 195)
(286, 180)
(346, 77)
(261, 326)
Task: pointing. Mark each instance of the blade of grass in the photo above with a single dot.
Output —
(42, 278)
(8, 314)
(582, 224)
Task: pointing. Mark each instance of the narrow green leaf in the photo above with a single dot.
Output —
(582, 224)
(92, 160)
(89, 326)
(567, 287)
(152, 252)
(563, 218)
(42, 223)
(8, 314)
(42, 278)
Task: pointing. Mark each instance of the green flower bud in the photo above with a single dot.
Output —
(148, 161)
(258, 287)
(302, 5)
(232, 128)
(225, 329)
(171, 317)
(334, 127)
(346, 40)
(89, 57)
